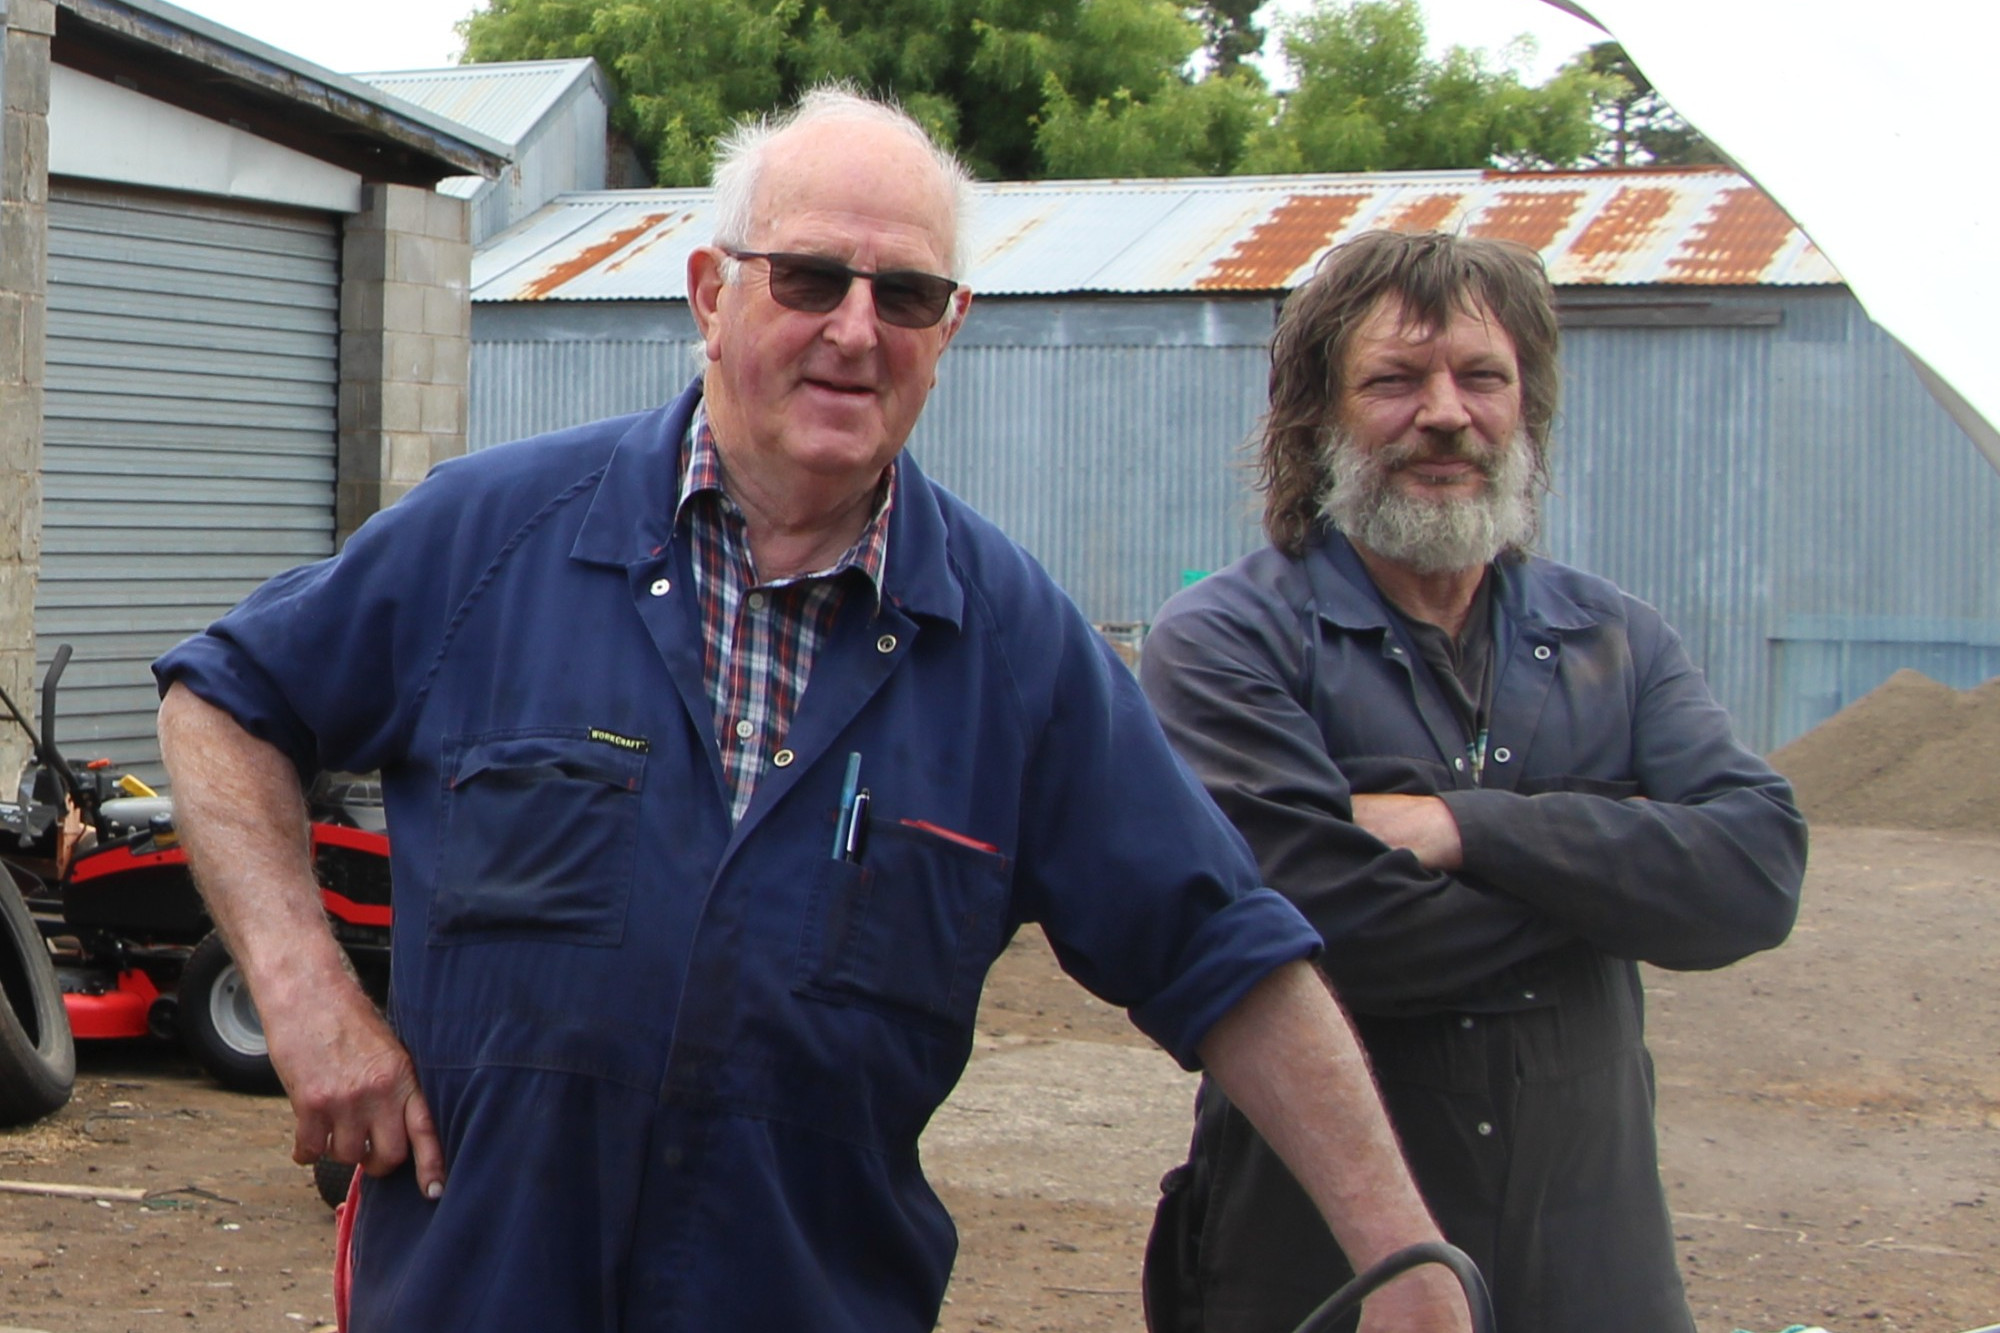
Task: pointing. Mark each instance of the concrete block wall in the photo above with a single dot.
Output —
(24, 244)
(405, 345)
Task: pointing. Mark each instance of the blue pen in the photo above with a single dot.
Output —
(849, 785)
(857, 829)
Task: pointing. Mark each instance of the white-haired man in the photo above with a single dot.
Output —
(723, 754)
(1491, 781)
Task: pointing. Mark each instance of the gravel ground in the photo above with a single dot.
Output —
(1830, 1120)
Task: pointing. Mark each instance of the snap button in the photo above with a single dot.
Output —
(1527, 995)
(661, 587)
(1458, 764)
(886, 644)
(783, 759)
(1485, 1129)
(745, 731)
(1502, 755)
(756, 600)
(1543, 652)
(1465, 1022)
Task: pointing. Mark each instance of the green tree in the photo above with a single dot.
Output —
(1229, 33)
(1366, 97)
(1186, 128)
(1638, 127)
(1021, 88)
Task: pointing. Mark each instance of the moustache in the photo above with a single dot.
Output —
(1457, 447)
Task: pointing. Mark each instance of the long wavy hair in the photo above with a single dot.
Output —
(1435, 276)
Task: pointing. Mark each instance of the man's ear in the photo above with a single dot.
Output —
(704, 286)
(961, 302)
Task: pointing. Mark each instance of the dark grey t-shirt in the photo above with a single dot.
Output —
(1462, 666)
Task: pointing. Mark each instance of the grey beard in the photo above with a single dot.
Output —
(1430, 535)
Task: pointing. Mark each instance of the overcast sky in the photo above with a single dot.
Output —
(355, 35)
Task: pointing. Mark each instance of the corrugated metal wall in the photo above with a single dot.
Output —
(1662, 486)
(190, 432)
(1102, 435)
(537, 369)
(1883, 550)
(1760, 463)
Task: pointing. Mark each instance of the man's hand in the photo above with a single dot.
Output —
(1427, 1299)
(1421, 824)
(353, 1089)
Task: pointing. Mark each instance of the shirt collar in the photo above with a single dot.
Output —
(1347, 595)
(633, 501)
(701, 473)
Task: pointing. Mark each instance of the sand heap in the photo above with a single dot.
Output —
(1911, 753)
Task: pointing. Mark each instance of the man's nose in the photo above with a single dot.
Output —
(850, 325)
(1441, 404)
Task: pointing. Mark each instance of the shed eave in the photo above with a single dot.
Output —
(180, 58)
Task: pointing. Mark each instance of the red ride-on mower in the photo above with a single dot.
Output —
(97, 860)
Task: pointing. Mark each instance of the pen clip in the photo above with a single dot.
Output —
(856, 840)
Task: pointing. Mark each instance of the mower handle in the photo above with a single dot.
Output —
(57, 666)
(46, 745)
(1348, 1298)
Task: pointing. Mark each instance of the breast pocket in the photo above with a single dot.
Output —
(540, 838)
(912, 930)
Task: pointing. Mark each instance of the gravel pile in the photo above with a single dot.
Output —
(1912, 754)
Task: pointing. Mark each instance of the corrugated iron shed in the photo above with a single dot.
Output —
(1697, 226)
(502, 101)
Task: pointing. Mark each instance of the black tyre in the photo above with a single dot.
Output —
(331, 1179)
(37, 1054)
(219, 1024)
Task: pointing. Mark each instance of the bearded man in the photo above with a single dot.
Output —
(1494, 784)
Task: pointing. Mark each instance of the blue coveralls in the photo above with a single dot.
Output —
(680, 1068)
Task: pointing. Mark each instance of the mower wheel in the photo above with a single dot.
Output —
(219, 1024)
(37, 1053)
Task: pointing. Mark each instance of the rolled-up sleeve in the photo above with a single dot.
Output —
(1150, 898)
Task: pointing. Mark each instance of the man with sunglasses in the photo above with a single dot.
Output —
(723, 754)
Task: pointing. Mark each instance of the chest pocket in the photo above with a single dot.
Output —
(540, 838)
(912, 930)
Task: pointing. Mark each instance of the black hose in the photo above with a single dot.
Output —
(1345, 1301)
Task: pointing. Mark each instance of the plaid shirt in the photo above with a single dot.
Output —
(759, 639)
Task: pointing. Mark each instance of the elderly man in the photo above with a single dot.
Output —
(723, 754)
(1491, 781)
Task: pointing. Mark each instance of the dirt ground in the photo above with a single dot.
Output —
(1830, 1117)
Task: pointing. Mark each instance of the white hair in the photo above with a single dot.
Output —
(740, 156)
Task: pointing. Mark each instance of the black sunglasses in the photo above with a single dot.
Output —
(905, 297)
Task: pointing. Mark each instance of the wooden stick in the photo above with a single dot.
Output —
(110, 1192)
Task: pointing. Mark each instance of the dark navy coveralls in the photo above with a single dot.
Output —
(680, 1068)
(1501, 1005)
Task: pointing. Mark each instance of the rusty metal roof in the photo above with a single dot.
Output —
(1696, 226)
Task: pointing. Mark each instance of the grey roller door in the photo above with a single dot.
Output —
(190, 434)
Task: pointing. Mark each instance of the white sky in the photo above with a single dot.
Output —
(351, 35)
